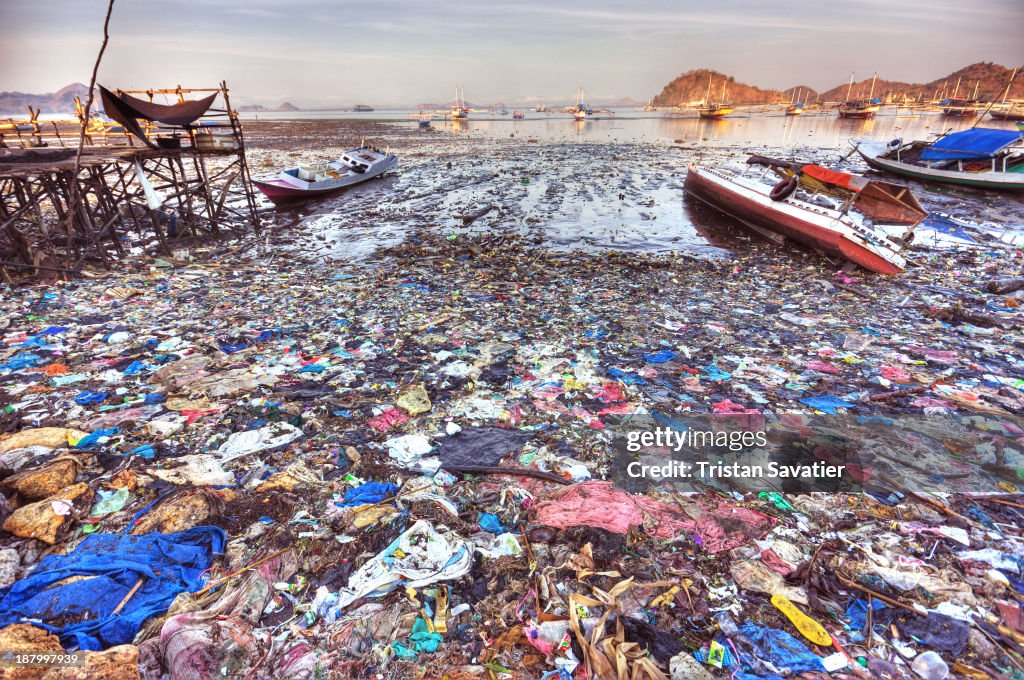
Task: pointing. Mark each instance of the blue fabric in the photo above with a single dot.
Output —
(625, 377)
(783, 650)
(370, 492)
(134, 368)
(827, 403)
(20, 361)
(89, 397)
(968, 144)
(491, 523)
(112, 563)
(948, 226)
(660, 357)
(857, 612)
(94, 436)
(712, 372)
(668, 421)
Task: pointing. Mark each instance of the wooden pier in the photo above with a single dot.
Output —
(125, 195)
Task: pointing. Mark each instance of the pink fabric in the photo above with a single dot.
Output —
(602, 505)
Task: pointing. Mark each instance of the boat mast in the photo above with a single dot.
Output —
(707, 97)
(957, 88)
(850, 88)
(872, 93)
(1006, 92)
(976, 86)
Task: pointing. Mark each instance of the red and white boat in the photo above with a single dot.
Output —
(322, 179)
(835, 213)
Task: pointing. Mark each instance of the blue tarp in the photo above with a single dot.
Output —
(370, 492)
(80, 611)
(783, 650)
(969, 144)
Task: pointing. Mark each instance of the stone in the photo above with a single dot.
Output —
(43, 519)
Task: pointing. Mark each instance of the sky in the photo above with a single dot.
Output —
(322, 53)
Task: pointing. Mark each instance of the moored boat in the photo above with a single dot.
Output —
(1014, 112)
(860, 108)
(835, 213)
(986, 158)
(459, 110)
(322, 179)
(960, 108)
(715, 111)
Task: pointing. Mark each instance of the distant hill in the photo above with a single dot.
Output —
(61, 101)
(258, 108)
(692, 87)
(989, 78)
(624, 102)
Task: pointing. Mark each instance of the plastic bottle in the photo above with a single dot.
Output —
(930, 666)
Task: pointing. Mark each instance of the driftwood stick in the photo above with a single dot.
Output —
(124, 600)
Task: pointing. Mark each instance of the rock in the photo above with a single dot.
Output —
(9, 563)
(50, 437)
(981, 645)
(415, 400)
(24, 637)
(176, 514)
(44, 519)
(117, 663)
(684, 667)
(44, 481)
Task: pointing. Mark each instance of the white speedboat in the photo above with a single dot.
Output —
(321, 179)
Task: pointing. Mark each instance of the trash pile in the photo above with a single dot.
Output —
(400, 469)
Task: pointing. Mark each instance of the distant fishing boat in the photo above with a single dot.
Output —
(540, 108)
(581, 111)
(518, 115)
(362, 108)
(860, 108)
(322, 179)
(650, 105)
(1008, 111)
(459, 110)
(1013, 112)
(795, 107)
(986, 158)
(960, 108)
(714, 111)
(833, 212)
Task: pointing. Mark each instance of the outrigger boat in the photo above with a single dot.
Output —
(835, 213)
(322, 179)
(986, 158)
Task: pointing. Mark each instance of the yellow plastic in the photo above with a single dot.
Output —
(808, 627)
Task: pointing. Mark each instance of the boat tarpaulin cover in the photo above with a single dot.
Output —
(973, 143)
(843, 179)
(127, 111)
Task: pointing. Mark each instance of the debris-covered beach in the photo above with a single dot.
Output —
(377, 439)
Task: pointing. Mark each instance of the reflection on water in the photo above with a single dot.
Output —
(819, 129)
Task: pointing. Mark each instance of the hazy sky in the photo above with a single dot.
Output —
(324, 52)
